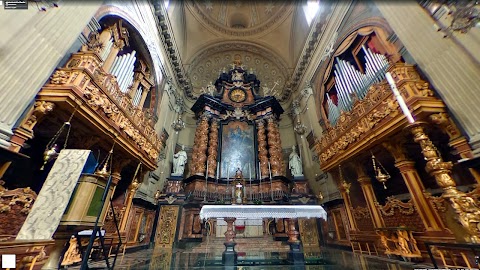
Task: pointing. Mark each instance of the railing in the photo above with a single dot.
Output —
(454, 254)
(253, 197)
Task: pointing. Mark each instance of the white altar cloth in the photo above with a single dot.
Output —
(262, 211)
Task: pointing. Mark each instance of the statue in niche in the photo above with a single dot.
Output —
(179, 161)
(295, 163)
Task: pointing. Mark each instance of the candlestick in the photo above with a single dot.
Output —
(228, 183)
(206, 184)
(259, 170)
(399, 98)
(269, 171)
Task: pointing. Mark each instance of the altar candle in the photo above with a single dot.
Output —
(250, 171)
(228, 183)
(218, 169)
(399, 98)
(269, 170)
(260, 170)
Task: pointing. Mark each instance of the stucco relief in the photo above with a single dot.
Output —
(208, 65)
(243, 19)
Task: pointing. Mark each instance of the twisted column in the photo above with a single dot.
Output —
(465, 206)
(212, 149)
(262, 148)
(202, 141)
(275, 155)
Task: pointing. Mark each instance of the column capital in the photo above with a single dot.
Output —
(397, 149)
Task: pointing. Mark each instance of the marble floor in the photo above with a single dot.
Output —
(328, 258)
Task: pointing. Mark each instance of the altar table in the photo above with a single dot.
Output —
(262, 211)
(290, 212)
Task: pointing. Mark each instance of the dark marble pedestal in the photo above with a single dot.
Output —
(229, 256)
(295, 255)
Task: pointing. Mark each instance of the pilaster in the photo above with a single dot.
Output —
(431, 219)
(370, 198)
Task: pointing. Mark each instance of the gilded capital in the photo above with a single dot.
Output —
(397, 149)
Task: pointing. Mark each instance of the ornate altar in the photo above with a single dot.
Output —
(237, 130)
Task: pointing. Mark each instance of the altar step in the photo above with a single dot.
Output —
(250, 245)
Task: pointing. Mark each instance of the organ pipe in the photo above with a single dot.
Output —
(123, 71)
(349, 80)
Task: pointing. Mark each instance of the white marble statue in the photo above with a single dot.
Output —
(295, 163)
(209, 90)
(179, 161)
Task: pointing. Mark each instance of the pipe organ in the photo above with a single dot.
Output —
(108, 47)
(122, 68)
(351, 84)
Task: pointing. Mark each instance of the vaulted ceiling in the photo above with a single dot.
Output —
(268, 36)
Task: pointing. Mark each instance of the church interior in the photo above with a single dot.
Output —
(205, 134)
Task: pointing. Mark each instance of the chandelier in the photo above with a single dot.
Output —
(382, 176)
(178, 124)
(299, 128)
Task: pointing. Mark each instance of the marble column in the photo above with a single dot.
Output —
(262, 148)
(448, 63)
(370, 198)
(213, 149)
(33, 43)
(430, 217)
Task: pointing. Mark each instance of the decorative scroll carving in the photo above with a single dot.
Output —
(446, 124)
(40, 109)
(388, 209)
(438, 203)
(60, 77)
(15, 205)
(167, 226)
(361, 212)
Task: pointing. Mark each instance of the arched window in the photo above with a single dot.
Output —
(310, 9)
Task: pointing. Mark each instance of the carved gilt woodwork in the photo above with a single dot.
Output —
(85, 79)
(262, 148)
(212, 149)
(15, 205)
(376, 116)
(167, 226)
(399, 241)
